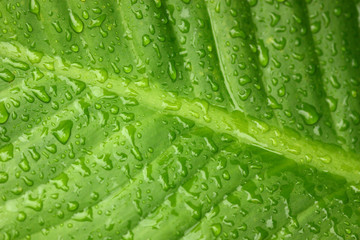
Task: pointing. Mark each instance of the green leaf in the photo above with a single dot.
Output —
(211, 119)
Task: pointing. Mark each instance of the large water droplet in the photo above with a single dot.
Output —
(63, 131)
(172, 70)
(41, 94)
(6, 152)
(3, 177)
(4, 114)
(75, 22)
(6, 75)
(34, 7)
(216, 229)
(263, 54)
(129, 133)
(309, 114)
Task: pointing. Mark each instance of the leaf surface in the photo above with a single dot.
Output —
(179, 119)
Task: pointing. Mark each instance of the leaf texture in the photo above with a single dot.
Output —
(210, 119)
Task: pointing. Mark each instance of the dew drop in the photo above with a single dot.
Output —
(34, 7)
(63, 131)
(263, 54)
(6, 152)
(145, 40)
(4, 114)
(72, 206)
(172, 70)
(216, 229)
(236, 32)
(6, 75)
(75, 22)
(41, 94)
(309, 114)
(3, 177)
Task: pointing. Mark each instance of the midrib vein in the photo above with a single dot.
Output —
(325, 157)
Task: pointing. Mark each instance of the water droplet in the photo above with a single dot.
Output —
(275, 18)
(85, 216)
(279, 44)
(41, 94)
(146, 40)
(101, 74)
(96, 22)
(21, 216)
(325, 159)
(18, 64)
(172, 106)
(216, 229)
(72, 206)
(236, 32)
(309, 114)
(172, 70)
(33, 56)
(6, 152)
(244, 80)
(63, 131)
(3, 177)
(271, 102)
(61, 182)
(34, 153)
(129, 133)
(184, 26)
(6, 75)
(24, 164)
(34, 7)
(75, 22)
(263, 54)
(57, 26)
(4, 114)
(332, 102)
(315, 27)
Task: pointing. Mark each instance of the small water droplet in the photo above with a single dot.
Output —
(57, 26)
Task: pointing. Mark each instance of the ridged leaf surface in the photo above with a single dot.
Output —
(192, 119)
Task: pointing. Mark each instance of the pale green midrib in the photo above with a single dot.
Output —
(187, 231)
(244, 128)
(45, 183)
(122, 188)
